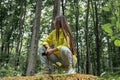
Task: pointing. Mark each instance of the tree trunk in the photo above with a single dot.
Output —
(63, 6)
(56, 11)
(87, 41)
(109, 55)
(77, 25)
(97, 41)
(19, 38)
(31, 66)
(96, 32)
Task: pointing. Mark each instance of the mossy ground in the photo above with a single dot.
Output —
(54, 77)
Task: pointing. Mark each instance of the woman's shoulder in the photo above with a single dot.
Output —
(52, 32)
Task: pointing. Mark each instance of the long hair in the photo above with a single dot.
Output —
(61, 22)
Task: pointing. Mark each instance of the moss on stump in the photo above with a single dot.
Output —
(54, 77)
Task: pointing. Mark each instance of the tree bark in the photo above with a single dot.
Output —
(87, 41)
(63, 6)
(20, 32)
(97, 41)
(31, 66)
(56, 11)
(77, 25)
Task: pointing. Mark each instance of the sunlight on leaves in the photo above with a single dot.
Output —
(117, 42)
(112, 37)
(118, 24)
(106, 8)
(107, 28)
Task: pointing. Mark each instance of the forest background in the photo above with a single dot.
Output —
(95, 25)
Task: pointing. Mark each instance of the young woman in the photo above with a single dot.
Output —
(62, 50)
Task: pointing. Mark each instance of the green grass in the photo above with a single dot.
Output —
(110, 76)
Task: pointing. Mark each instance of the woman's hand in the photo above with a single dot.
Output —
(51, 51)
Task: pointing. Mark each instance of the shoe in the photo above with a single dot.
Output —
(45, 71)
(70, 71)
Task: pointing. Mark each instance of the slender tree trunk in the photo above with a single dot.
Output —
(1, 37)
(97, 41)
(87, 41)
(31, 67)
(77, 18)
(2, 48)
(119, 46)
(93, 16)
(96, 32)
(7, 51)
(56, 11)
(109, 55)
(119, 56)
(63, 6)
(20, 26)
(5, 36)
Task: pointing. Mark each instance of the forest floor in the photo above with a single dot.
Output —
(53, 77)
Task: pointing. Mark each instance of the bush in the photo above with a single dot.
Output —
(8, 71)
(109, 76)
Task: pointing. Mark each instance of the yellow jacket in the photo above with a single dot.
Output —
(52, 40)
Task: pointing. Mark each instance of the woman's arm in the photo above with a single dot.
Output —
(51, 51)
(48, 40)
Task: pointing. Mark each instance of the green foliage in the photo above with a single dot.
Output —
(9, 71)
(117, 42)
(106, 8)
(109, 76)
(112, 28)
(107, 28)
(118, 24)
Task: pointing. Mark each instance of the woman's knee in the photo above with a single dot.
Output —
(65, 50)
(42, 50)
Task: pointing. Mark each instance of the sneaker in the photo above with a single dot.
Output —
(70, 71)
(44, 72)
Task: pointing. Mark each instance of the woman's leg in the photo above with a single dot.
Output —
(47, 61)
(67, 57)
(43, 57)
